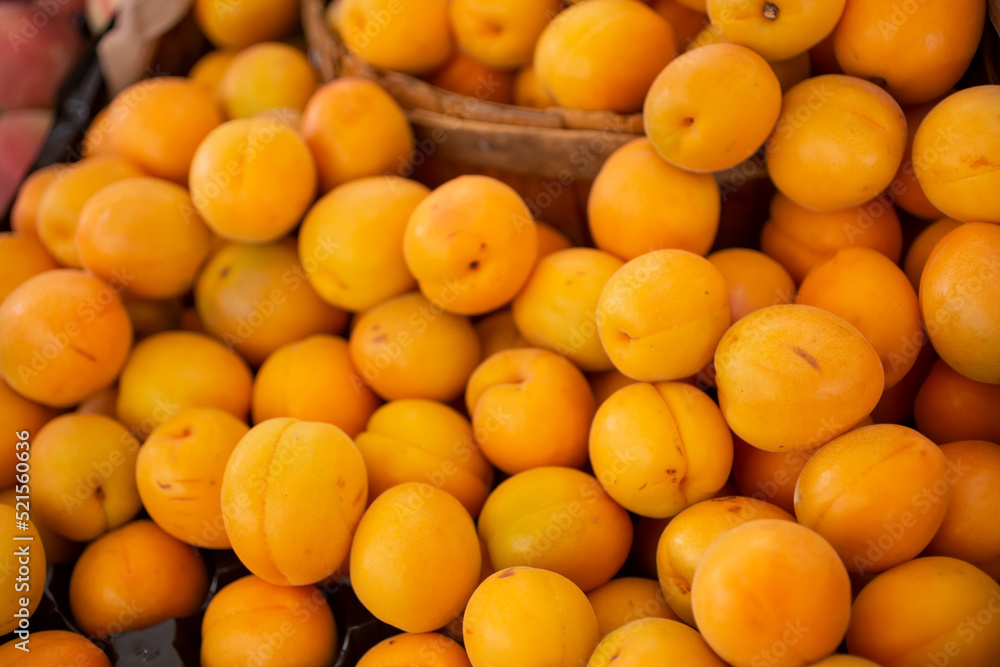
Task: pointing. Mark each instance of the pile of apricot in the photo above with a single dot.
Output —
(242, 323)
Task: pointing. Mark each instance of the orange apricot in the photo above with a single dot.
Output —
(465, 75)
(133, 578)
(828, 377)
(530, 91)
(242, 617)
(712, 107)
(558, 519)
(920, 250)
(409, 347)
(550, 240)
(471, 244)
(22, 569)
(20, 420)
(351, 242)
(280, 467)
(770, 585)
(927, 611)
(666, 207)
(622, 47)
(530, 408)
(247, 22)
(905, 188)
(178, 369)
(501, 34)
(626, 599)
(412, 38)
(498, 332)
(916, 53)
(101, 402)
(266, 76)
(179, 474)
(769, 476)
(959, 292)
(63, 335)
(405, 579)
(53, 647)
(208, 71)
(256, 298)
(415, 440)
(775, 30)
(658, 448)
(838, 143)
(800, 238)
(791, 70)
(355, 129)
(685, 21)
(950, 406)
(843, 661)
(514, 614)
(149, 316)
(753, 280)
(603, 385)
(662, 314)
(651, 640)
(877, 494)
(427, 649)
(688, 536)
(21, 257)
(24, 213)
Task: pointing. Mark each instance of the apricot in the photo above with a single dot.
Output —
(550, 240)
(905, 188)
(83, 475)
(652, 640)
(951, 154)
(685, 21)
(530, 408)
(950, 407)
(465, 75)
(666, 207)
(256, 299)
(247, 22)
(354, 129)
(620, 46)
(351, 242)
(916, 54)
(102, 402)
(558, 519)
(838, 143)
(414, 38)
(18, 417)
(959, 292)
(179, 474)
(266, 76)
(53, 647)
(843, 661)
(686, 538)
(63, 335)
(409, 347)
(22, 569)
(252, 179)
(24, 213)
(657, 448)
(500, 34)
(769, 476)
(530, 91)
(179, 369)
(427, 649)
(920, 250)
(753, 280)
(22, 257)
(145, 232)
(471, 244)
(770, 585)
(626, 599)
(149, 316)
(313, 379)
(58, 549)
(415, 440)
(243, 616)
(712, 107)
(776, 30)
(498, 332)
(514, 614)
(926, 611)
(157, 124)
(400, 576)
(133, 578)
(828, 377)
(211, 67)
(674, 304)
(872, 293)
(877, 494)
(60, 206)
(800, 238)
(555, 310)
(791, 70)
(603, 385)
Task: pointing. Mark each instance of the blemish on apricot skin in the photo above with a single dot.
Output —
(811, 360)
(505, 574)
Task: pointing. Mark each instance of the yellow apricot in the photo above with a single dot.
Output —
(247, 22)
(775, 30)
(665, 207)
(407, 37)
(427, 649)
(530, 408)
(22, 569)
(178, 369)
(712, 108)
(63, 335)
(22, 257)
(208, 71)
(266, 76)
(471, 244)
(658, 448)
(662, 314)
(558, 519)
(53, 647)
(501, 34)
(133, 578)
(498, 332)
(927, 611)
(409, 347)
(550, 240)
(921, 247)
(652, 640)
(241, 619)
(351, 242)
(415, 440)
(179, 474)
(753, 280)
(256, 298)
(795, 377)
(404, 579)
(514, 614)
(626, 599)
